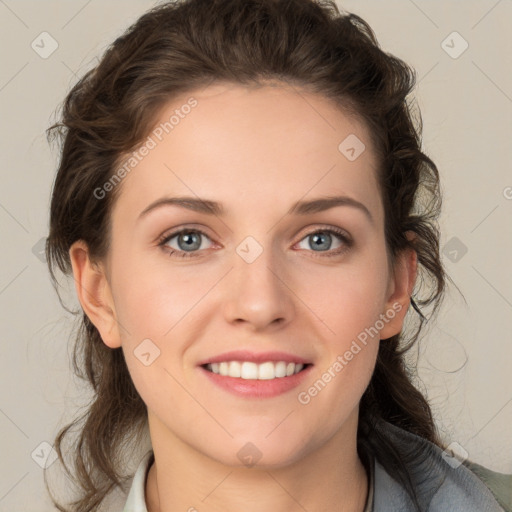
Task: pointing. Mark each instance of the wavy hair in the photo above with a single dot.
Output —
(177, 47)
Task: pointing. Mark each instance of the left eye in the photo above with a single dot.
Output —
(322, 239)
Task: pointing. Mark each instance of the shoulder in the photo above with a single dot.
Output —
(500, 484)
(441, 482)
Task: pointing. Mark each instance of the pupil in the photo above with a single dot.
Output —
(317, 237)
(191, 241)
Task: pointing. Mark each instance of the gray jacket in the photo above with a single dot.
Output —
(442, 483)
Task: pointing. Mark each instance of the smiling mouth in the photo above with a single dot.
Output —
(253, 371)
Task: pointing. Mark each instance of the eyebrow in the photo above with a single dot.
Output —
(299, 208)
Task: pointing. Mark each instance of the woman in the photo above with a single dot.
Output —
(245, 208)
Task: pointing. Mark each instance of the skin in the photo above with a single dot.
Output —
(256, 151)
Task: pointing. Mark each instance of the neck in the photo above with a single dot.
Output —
(332, 478)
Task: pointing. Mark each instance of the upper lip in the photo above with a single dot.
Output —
(255, 357)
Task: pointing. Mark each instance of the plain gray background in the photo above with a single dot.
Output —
(464, 360)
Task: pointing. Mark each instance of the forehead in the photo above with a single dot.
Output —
(254, 147)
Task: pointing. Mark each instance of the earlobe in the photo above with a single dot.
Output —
(94, 294)
(399, 299)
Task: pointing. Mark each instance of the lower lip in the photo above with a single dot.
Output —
(254, 388)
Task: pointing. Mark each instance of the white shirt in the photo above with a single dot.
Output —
(136, 501)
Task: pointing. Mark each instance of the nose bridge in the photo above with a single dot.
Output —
(256, 264)
(258, 294)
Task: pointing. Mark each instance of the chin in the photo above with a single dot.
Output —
(259, 452)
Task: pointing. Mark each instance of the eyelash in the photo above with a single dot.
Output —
(322, 254)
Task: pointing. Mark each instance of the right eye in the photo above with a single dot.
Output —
(189, 242)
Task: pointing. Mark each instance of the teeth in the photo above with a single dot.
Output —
(249, 370)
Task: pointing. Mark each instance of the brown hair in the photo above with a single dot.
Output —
(177, 47)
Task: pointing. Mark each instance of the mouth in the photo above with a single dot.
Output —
(248, 370)
(256, 375)
(256, 381)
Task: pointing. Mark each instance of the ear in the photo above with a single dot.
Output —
(94, 294)
(401, 284)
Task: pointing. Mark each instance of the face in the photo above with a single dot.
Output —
(255, 275)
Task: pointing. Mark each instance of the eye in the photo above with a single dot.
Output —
(322, 239)
(189, 242)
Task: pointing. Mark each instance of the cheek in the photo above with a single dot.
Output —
(348, 298)
(348, 308)
(151, 299)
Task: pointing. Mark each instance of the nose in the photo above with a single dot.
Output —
(257, 293)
